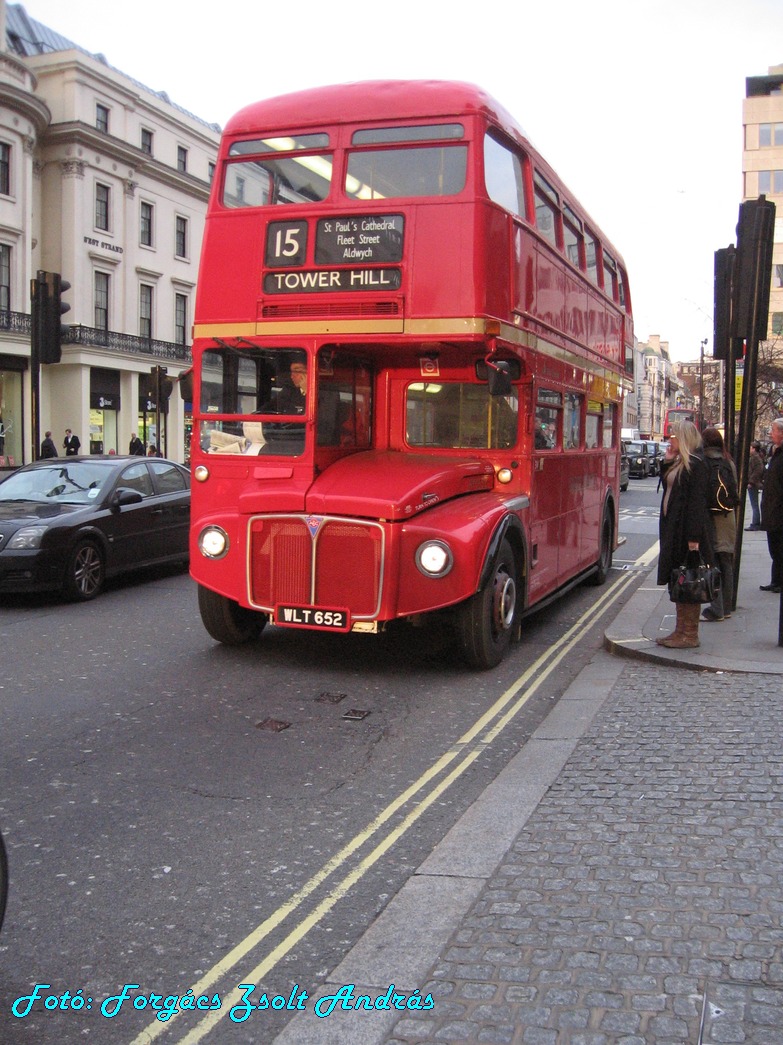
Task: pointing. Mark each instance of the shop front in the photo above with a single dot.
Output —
(12, 370)
(104, 411)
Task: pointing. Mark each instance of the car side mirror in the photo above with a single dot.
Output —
(125, 496)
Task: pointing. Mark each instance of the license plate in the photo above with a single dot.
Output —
(319, 617)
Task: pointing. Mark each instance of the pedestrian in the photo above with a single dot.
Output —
(725, 522)
(48, 449)
(772, 507)
(685, 524)
(71, 443)
(154, 451)
(755, 483)
(136, 448)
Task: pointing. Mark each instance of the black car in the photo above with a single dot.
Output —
(625, 466)
(656, 453)
(640, 460)
(69, 523)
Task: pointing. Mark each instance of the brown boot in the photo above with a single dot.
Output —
(689, 636)
(678, 628)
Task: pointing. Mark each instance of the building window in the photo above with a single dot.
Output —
(101, 301)
(181, 319)
(146, 141)
(777, 276)
(770, 134)
(5, 278)
(182, 159)
(102, 118)
(145, 311)
(146, 224)
(102, 204)
(210, 171)
(5, 169)
(770, 182)
(777, 322)
(181, 238)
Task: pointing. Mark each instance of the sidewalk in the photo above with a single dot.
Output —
(621, 881)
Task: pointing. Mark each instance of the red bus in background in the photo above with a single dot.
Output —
(410, 347)
(676, 414)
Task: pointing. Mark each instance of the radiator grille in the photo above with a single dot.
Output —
(326, 561)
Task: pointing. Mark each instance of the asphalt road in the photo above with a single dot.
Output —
(181, 816)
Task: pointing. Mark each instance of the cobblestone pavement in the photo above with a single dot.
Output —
(641, 902)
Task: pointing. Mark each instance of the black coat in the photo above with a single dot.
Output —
(772, 498)
(688, 518)
(48, 449)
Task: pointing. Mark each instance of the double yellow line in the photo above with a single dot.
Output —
(464, 752)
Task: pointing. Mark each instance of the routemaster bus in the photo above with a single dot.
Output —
(410, 350)
(674, 415)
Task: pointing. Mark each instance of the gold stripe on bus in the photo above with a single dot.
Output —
(600, 373)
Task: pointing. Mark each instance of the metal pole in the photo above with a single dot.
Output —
(701, 386)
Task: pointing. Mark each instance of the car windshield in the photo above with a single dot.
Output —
(79, 483)
(636, 448)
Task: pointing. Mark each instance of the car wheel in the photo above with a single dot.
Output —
(227, 621)
(85, 572)
(624, 487)
(485, 622)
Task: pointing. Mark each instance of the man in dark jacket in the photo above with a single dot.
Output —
(772, 507)
(71, 443)
(136, 448)
(48, 449)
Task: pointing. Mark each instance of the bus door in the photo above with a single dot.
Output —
(548, 476)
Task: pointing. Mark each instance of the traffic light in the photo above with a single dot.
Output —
(47, 308)
(163, 384)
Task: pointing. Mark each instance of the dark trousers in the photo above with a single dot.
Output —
(775, 545)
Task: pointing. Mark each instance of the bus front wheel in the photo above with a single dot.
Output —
(604, 563)
(485, 621)
(227, 621)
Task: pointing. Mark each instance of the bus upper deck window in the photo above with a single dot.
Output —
(284, 175)
(375, 174)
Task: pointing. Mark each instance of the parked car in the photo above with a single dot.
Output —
(69, 523)
(639, 460)
(625, 466)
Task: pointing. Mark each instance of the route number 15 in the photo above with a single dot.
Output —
(286, 243)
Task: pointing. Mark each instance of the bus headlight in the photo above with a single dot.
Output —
(434, 559)
(213, 542)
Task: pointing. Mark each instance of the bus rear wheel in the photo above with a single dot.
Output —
(227, 621)
(485, 622)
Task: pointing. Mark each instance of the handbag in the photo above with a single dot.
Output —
(694, 581)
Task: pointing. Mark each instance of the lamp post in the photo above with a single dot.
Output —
(701, 386)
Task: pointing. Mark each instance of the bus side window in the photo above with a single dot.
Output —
(547, 422)
(572, 421)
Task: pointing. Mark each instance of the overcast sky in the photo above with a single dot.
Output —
(636, 103)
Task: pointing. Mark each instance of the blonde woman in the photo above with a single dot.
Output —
(685, 523)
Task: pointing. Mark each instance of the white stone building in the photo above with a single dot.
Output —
(105, 182)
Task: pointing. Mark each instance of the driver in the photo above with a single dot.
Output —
(291, 399)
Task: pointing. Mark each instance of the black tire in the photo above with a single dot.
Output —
(227, 621)
(604, 563)
(85, 572)
(3, 880)
(486, 621)
(624, 487)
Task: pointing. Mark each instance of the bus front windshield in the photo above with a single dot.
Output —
(243, 391)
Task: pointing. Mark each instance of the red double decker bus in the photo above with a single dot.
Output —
(674, 415)
(410, 348)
